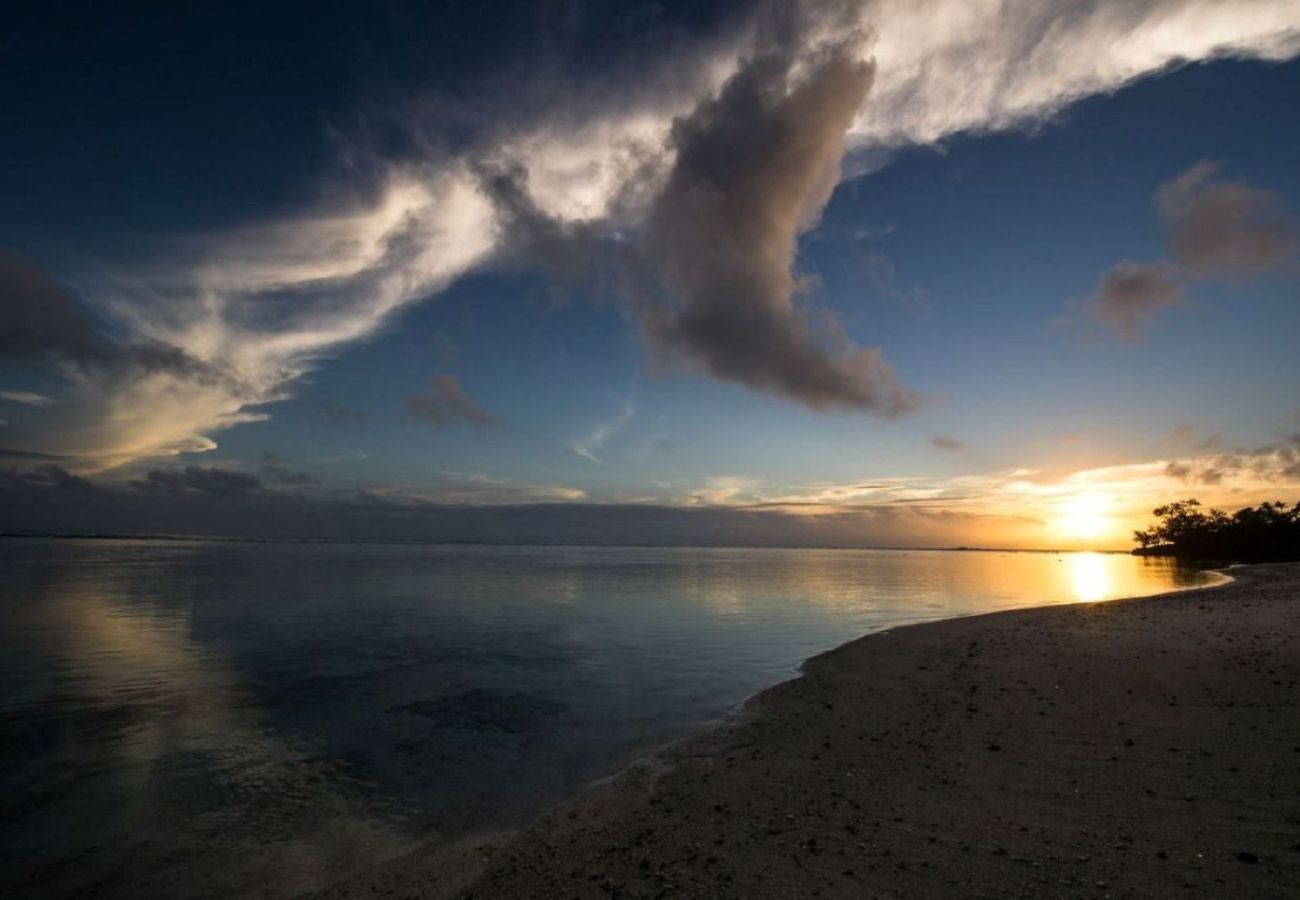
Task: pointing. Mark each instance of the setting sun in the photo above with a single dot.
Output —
(1084, 517)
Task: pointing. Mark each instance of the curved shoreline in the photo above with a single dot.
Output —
(765, 804)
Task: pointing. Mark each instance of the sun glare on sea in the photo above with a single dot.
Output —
(1084, 517)
(1089, 577)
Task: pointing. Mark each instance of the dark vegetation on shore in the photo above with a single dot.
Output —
(1269, 532)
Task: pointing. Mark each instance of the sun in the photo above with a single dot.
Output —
(1084, 516)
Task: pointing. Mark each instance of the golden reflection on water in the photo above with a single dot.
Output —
(914, 584)
(1090, 577)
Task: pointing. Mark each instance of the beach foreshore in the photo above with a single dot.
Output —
(1143, 747)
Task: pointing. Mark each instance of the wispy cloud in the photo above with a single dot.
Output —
(589, 444)
(481, 489)
(27, 398)
(949, 66)
(204, 341)
(725, 490)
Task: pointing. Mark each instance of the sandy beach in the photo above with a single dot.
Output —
(1145, 747)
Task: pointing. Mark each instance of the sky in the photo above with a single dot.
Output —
(838, 273)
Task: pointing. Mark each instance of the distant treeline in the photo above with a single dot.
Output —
(1268, 532)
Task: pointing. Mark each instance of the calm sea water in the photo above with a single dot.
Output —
(198, 719)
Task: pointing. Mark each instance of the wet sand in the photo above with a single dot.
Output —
(1145, 747)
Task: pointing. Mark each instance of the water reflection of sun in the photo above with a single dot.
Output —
(1090, 577)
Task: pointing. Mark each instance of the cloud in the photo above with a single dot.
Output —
(755, 167)
(950, 66)
(588, 445)
(212, 482)
(1019, 507)
(1213, 228)
(27, 398)
(446, 405)
(1279, 464)
(481, 489)
(948, 444)
(160, 358)
(42, 322)
(59, 504)
(278, 469)
(41, 477)
(724, 490)
(8, 453)
(1225, 227)
(1131, 293)
(128, 395)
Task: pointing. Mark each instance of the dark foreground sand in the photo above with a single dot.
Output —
(1144, 747)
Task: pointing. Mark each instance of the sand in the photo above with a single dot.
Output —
(1146, 747)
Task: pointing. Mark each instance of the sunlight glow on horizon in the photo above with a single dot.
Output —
(1084, 516)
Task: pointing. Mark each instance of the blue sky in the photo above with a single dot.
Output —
(157, 170)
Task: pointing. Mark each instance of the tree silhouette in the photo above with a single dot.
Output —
(1270, 531)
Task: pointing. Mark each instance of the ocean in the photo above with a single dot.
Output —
(192, 719)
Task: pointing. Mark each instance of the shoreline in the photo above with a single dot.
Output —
(717, 812)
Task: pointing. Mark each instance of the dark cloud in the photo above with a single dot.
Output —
(952, 445)
(212, 482)
(754, 167)
(1225, 227)
(43, 323)
(183, 503)
(47, 476)
(1278, 462)
(9, 453)
(1200, 473)
(1131, 293)
(278, 469)
(572, 255)
(39, 320)
(1290, 458)
(447, 404)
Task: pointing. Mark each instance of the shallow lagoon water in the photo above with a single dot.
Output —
(184, 718)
